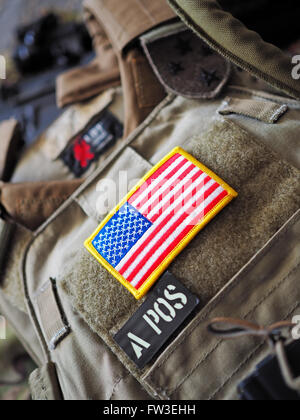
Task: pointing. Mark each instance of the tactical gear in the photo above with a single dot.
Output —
(277, 376)
(177, 91)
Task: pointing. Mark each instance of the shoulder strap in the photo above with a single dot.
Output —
(235, 42)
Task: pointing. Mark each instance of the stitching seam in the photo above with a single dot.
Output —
(278, 113)
(116, 383)
(58, 337)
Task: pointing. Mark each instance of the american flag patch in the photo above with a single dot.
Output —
(141, 237)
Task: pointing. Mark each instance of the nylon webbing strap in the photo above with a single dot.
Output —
(52, 318)
(234, 41)
(265, 111)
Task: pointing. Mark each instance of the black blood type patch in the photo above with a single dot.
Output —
(165, 309)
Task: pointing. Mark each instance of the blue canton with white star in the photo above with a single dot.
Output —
(120, 234)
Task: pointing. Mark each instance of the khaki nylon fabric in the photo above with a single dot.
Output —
(260, 211)
(125, 21)
(200, 366)
(269, 194)
(234, 41)
(261, 161)
(261, 110)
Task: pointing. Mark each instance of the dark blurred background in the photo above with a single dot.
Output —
(276, 21)
(39, 39)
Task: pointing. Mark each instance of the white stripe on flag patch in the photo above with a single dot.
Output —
(164, 187)
(172, 237)
(161, 219)
(157, 181)
(182, 186)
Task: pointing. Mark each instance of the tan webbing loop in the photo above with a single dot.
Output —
(52, 318)
(265, 111)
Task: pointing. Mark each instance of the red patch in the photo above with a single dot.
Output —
(82, 153)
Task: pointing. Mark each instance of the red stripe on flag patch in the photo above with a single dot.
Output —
(173, 245)
(157, 243)
(139, 197)
(168, 217)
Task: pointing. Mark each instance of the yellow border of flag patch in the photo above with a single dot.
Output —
(138, 294)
